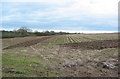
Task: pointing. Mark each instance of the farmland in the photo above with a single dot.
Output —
(61, 56)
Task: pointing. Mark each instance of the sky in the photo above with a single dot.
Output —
(60, 15)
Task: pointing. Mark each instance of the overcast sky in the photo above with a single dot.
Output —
(61, 15)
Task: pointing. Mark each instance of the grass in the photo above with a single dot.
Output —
(13, 41)
(49, 59)
(21, 62)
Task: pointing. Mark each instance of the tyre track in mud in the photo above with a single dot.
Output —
(27, 43)
(93, 44)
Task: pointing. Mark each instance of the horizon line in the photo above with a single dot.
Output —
(70, 31)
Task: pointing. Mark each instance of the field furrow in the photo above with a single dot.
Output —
(73, 55)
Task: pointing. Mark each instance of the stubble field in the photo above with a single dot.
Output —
(75, 55)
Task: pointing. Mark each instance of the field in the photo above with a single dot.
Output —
(73, 55)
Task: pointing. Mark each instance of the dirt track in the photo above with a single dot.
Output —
(27, 43)
(93, 45)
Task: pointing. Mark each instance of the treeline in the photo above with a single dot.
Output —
(23, 31)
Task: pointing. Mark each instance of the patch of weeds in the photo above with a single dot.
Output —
(105, 66)
(60, 41)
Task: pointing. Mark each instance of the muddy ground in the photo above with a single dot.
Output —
(27, 43)
(81, 45)
(93, 45)
(61, 58)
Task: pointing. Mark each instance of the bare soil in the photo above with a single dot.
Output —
(27, 43)
(93, 44)
(81, 45)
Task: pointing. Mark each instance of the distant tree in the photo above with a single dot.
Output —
(52, 33)
(24, 30)
(36, 33)
(60, 32)
(47, 32)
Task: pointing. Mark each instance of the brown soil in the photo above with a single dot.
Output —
(93, 45)
(27, 43)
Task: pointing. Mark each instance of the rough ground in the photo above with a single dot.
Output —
(82, 45)
(61, 56)
(27, 43)
(94, 44)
